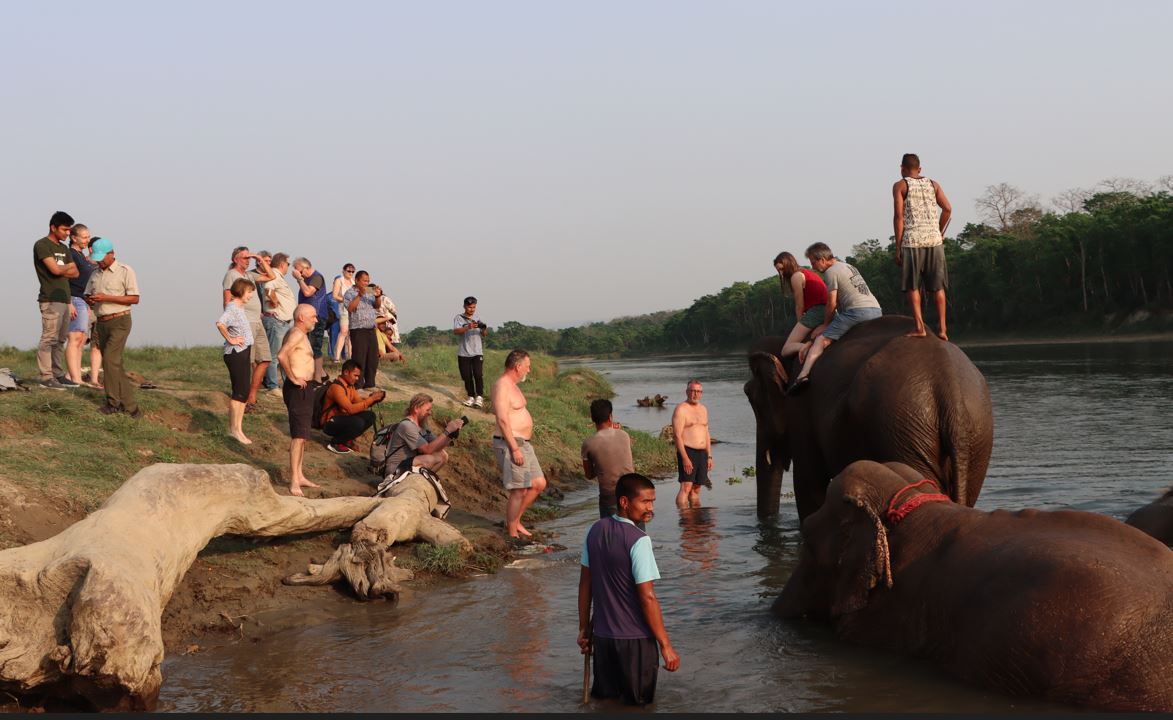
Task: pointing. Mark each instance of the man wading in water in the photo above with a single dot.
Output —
(694, 448)
(616, 576)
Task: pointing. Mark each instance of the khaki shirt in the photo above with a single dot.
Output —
(118, 279)
(283, 308)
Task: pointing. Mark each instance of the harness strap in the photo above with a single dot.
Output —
(896, 514)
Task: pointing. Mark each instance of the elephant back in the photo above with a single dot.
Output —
(919, 401)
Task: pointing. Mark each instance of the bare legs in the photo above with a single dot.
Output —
(794, 341)
(914, 300)
(519, 502)
(297, 480)
(259, 370)
(74, 349)
(236, 422)
(820, 344)
(343, 342)
(95, 363)
(689, 496)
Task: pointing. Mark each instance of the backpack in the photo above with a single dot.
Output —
(319, 403)
(381, 449)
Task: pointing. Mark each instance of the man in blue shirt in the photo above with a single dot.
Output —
(617, 572)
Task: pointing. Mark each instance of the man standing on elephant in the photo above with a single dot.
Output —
(920, 215)
(694, 446)
(849, 303)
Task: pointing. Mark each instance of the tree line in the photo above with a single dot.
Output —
(1092, 259)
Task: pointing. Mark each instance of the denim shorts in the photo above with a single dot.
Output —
(813, 317)
(81, 323)
(846, 319)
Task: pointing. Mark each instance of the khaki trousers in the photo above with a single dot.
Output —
(54, 333)
(112, 335)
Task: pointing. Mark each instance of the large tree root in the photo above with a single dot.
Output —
(81, 612)
(366, 563)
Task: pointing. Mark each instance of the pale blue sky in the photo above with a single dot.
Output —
(565, 162)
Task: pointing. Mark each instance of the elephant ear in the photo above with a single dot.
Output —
(864, 560)
(767, 365)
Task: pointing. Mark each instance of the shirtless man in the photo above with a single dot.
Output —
(520, 471)
(297, 361)
(694, 447)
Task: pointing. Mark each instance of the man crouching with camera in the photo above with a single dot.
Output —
(413, 445)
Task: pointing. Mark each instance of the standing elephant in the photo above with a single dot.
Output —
(874, 395)
(1065, 605)
(1155, 519)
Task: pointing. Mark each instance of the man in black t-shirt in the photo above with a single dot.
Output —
(55, 267)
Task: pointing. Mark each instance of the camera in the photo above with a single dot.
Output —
(464, 420)
(456, 433)
(481, 324)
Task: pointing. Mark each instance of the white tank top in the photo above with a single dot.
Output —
(922, 216)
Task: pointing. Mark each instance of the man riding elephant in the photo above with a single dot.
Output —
(875, 395)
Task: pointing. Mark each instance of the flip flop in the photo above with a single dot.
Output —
(799, 385)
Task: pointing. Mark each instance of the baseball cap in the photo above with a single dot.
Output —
(470, 300)
(100, 249)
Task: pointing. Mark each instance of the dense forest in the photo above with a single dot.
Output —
(1094, 261)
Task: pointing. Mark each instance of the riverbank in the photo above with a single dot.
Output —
(60, 459)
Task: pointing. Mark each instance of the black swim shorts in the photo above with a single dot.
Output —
(700, 467)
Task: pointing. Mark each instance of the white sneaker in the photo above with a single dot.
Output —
(470, 402)
(479, 402)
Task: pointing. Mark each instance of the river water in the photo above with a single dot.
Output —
(1078, 426)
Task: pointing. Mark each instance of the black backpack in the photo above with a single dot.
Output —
(319, 402)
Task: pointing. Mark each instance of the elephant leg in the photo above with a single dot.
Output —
(810, 486)
(770, 468)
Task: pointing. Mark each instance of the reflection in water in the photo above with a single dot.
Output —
(525, 639)
(1082, 427)
(699, 537)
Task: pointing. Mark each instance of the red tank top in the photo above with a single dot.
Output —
(814, 292)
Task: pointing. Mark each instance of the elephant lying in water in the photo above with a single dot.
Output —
(1155, 519)
(874, 395)
(1070, 606)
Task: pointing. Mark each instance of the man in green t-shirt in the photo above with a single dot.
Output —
(54, 266)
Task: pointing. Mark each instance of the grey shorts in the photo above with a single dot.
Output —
(260, 349)
(516, 477)
(923, 268)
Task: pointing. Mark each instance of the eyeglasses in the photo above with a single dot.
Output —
(348, 271)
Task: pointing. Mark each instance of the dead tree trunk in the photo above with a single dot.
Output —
(366, 562)
(80, 613)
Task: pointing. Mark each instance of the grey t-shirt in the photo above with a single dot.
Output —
(609, 452)
(406, 441)
(252, 308)
(470, 342)
(853, 292)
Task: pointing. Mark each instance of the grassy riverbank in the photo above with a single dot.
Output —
(61, 459)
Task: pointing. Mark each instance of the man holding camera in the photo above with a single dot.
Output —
(412, 445)
(261, 355)
(470, 356)
(345, 415)
(361, 302)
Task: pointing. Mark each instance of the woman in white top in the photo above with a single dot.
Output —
(238, 338)
(342, 283)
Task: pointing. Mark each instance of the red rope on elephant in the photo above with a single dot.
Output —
(896, 514)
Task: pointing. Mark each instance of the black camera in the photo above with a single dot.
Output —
(481, 324)
(456, 433)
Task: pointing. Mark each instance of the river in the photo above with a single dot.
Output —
(1078, 426)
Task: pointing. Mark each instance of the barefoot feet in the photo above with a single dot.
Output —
(242, 438)
(295, 488)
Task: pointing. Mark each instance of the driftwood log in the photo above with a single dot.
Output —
(80, 613)
(366, 562)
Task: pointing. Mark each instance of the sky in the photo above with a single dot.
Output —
(565, 162)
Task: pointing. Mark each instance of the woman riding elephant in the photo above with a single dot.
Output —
(877, 395)
(1070, 606)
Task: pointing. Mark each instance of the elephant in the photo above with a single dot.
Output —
(874, 395)
(1065, 605)
(1155, 519)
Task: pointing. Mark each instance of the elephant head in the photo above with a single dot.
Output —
(845, 551)
(766, 391)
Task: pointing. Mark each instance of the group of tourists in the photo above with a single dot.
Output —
(85, 292)
(833, 297)
(85, 295)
